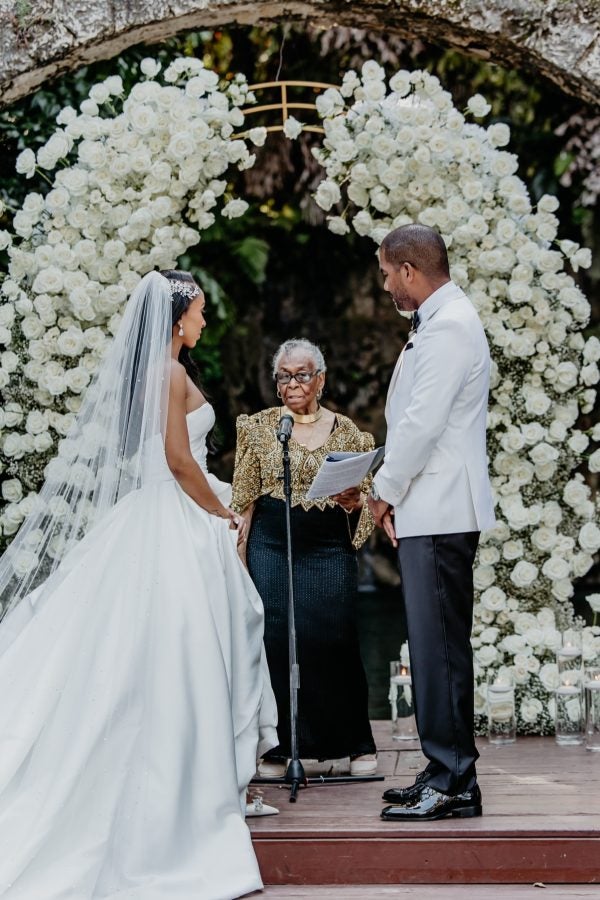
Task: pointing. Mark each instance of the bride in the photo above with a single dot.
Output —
(135, 695)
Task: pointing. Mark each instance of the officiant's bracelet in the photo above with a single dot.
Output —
(374, 492)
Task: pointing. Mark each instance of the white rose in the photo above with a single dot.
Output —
(25, 164)
(400, 83)
(486, 655)
(70, 342)
(498, 134)
(489, 556)
(592, 599)
(478, 106)
(12, 490)
(77, 379)
(42, 442)
(24, 563)
(581, 563)
(543, 453)
(589, 374)
(562, 589)
(493, 599)
(36, 422)
(292, 128)
(564, 377)
(537, 403)
(372, 71)
(594, 461)
(512, 549)
(234, 209)
(531, 709)
(328, 193)
(556, 568)
(589, 537)
(524, 574)
(337, 225)
(258, 136)
(591, 351)
(150, 67)
(575, 493)
(483, 577)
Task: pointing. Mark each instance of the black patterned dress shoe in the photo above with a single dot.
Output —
(431, 804)
(402, 795)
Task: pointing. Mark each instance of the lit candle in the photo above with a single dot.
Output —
(593, 682)
(569, 651)
(568, 690)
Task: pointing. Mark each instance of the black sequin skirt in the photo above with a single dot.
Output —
(333, 697)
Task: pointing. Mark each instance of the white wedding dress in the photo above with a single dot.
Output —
(134, 701)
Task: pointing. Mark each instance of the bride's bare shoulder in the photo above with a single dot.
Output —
(176, 371)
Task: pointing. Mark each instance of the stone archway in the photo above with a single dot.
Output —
(560, 40)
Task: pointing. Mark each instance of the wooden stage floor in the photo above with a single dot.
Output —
(541, 823)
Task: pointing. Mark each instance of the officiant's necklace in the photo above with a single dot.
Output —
(300, 419)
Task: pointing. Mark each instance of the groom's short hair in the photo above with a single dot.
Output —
(421, 246)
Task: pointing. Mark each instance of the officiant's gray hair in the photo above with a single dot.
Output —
(299, 345)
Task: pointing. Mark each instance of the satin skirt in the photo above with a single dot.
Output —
(135, 699)
(333, 698)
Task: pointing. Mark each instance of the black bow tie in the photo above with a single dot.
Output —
(414, 323)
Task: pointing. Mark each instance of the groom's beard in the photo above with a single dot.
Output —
(402, 302)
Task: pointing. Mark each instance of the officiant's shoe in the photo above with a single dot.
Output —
(366, 764)
(401, 795)
(271, 768)
(432, 804)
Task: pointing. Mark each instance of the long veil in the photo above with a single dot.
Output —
(101, 459)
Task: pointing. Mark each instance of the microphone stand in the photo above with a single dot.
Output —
(295, 776)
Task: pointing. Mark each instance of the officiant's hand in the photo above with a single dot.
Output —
(350, 499)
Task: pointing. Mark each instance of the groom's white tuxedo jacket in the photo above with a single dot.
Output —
(435, 467)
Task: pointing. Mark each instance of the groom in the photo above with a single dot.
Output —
(433, 497)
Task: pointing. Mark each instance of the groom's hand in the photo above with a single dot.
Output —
(383, 514)
(378, 510)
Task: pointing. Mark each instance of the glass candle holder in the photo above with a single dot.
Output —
(404, 726)
(568, 716)
(502, 720)
(591, 684)
(569, 661)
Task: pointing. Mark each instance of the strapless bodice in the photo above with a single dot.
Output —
(199, 423)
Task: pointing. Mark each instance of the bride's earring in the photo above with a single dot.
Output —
(181, 332)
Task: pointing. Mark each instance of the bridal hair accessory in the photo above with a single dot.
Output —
(187, 288)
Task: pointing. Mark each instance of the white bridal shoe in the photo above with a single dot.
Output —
(256, 807)
(364, 765)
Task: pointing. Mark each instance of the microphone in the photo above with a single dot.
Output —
(284, 430)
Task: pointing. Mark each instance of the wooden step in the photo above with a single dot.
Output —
(433, 892)
(541, 823)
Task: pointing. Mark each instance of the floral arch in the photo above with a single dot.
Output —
(134, 180)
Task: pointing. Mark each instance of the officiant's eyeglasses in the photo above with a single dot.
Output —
(301, 377)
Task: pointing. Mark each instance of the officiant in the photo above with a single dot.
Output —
(333, 720)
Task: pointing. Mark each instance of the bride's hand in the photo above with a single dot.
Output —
(238, 523)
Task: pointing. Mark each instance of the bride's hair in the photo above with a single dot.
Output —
(180, 303)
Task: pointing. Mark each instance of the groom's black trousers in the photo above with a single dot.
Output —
(437, 582)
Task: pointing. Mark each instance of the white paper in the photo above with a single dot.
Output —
(340, 471)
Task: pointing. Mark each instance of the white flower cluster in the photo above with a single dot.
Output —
(135, 179)
(138, 177)
(400, 153)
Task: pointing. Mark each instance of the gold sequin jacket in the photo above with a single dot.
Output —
(258, 464)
